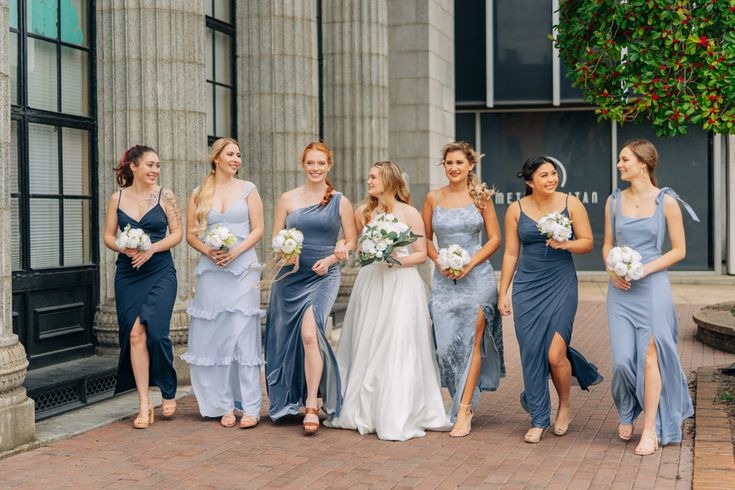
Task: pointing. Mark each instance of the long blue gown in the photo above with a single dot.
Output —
(454, 309)
(291, 296)
(148, 292)
(636, 315)
(544, 303)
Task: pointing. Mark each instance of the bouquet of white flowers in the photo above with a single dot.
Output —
(555, 225)
(288, 243)
(453, 258)
(133, 238)
(380, 237)
(219, 238)
(625, 262)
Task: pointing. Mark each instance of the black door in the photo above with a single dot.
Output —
(53, 178)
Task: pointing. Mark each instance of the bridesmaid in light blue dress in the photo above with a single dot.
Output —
(647, 373)
(545, 296)
(467, 326)
(224, 330)
(300, 363)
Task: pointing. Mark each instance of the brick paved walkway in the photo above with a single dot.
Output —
(188, 452)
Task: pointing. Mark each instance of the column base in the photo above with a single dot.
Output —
(17, 419)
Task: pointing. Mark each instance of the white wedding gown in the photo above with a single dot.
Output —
(390, 379)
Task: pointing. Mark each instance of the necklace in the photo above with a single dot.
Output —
(639, 201)
(225, 186)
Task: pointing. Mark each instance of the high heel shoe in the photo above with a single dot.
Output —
(535, 436)
(470, 413)
(647, 445)
(248, 422)
(168, 410)
(310, 427)
(142, 422)
(625, 433)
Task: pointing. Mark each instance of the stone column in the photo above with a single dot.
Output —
(730, 200)
(151, 90)
(278, 95)
(421, 88)
(355, 54)
(17, 414)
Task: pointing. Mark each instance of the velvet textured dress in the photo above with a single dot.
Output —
(544, 303)
(291, 296)
(148, 293)
(643, 312)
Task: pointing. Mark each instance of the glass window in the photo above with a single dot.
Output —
(44, 224)
(220, 83)
(43, 159)
(74, 88)
(465, 128)
(13, 14)
(13, 52)
(567, 92)
(43, 17)
(42, 80)
(469, 51)
(574, 138)
(522, 52)
(15, 233)
(77, 232)
(684, 165)
(222, 10)
(74, 21)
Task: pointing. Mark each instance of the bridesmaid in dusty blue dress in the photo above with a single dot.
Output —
(647, 373)
(467, 326)
(145, 281)
(300, 363)
(545, 295)
(224, 329)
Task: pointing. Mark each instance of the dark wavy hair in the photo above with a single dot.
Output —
(530, 167)
(131, 156)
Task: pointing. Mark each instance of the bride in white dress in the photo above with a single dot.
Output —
(390, 379)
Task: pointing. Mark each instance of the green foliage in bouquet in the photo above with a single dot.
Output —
(670, 61)
(374, 237)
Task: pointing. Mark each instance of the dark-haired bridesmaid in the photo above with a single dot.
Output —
(545, 295)
(145, 279)
(300, 363)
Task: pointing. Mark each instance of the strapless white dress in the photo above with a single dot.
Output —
(390, 378)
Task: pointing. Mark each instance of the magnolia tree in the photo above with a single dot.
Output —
(669, 61)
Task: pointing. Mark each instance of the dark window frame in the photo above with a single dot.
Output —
(23, 115)
(228, 29)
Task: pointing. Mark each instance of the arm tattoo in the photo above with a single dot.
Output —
(173, 211)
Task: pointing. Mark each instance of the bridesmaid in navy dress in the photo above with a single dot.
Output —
(545, 295)
(468, 329)
(145, 281)
(646, 374)
(300, 363)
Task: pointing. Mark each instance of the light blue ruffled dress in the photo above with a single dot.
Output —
(454, 309)
(224, 329)
(634, 316)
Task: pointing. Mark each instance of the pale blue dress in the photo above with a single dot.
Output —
(454, 309)
(224, 351)
(636, 315)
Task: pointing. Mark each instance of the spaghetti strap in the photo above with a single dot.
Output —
(119, 197)
(519, 204)
(566, 203)
(159, 194)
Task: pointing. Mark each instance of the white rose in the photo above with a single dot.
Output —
(443, 261)
(136, 232)
(390, 217)
(466, 257)
(627, 255)
(289, 245)
(133, 241)
(636, 256)
(620, 269)
(379, 254)
(145, 244)
(278, 241)
(560, 233)
(456, 262)
(297, 235)
(368, 246)
(215, 241)
(222, 232)
(636, 271)
(381, 245)
(400, 227)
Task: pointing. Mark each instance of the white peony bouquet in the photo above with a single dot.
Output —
(288, 243)
(380, 237)
(453, 258)
(555, 225)
(625, 262)
(220, 238)
(133, 238)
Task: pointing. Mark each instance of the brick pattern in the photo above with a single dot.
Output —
(188, 452)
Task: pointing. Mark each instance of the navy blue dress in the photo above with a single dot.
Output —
(544, 303)
(148, 293)
(291, 296)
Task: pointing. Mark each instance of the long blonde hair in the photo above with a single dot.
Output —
(203, 198)
(393, 184)
(646, 152)
(319, 146)
(479, 191)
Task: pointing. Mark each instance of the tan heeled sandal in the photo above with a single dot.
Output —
(534, 435)
(310, 427)
(625, 432)
(470, 413)
(168, 410)
(143, 421)
(228, 420)
(248, 422)
(647, 445)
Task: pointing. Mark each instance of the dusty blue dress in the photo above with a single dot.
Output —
(636, 315)
(454, 309)
(148, 292)
(290, 298)
(224, 329)
(544, 303)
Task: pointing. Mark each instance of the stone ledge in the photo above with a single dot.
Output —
(716, 326)
(714, 465)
